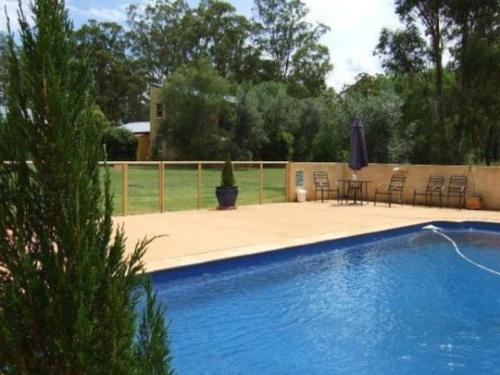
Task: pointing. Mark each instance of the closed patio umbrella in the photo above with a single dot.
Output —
(359, 156)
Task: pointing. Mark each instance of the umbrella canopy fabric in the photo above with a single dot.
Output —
(359, 156)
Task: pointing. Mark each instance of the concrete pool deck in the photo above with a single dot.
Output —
(192, 237)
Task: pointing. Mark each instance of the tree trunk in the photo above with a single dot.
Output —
(461, 133)
(439, 92)
(489, 146)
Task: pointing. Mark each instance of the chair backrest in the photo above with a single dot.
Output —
(354, 185)
(321, 180)
(397, 182)
(435, 182)
(457, 184)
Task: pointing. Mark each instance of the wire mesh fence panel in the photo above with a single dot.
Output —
(180, 187)
(274, 183)
(115, 175)
(247, 179)
(142, 189)
(211, 175)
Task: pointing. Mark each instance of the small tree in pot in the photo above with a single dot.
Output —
(227, 192)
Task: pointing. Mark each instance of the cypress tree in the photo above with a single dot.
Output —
(68, 291)
(227, 176)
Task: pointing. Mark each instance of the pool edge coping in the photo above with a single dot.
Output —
(240, 253)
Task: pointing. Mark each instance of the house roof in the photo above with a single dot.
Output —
(137, 127)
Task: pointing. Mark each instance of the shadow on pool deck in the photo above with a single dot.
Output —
(204, 235)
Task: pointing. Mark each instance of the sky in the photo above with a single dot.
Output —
(354, 27)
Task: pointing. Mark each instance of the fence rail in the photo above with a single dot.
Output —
(168, 190)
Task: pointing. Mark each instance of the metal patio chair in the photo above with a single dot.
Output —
(396, 186)
(322, 185)
(354, 190)
(435, 185)
(457, 189)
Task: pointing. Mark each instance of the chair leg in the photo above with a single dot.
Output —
(414, 198)
(390, 198)
(375, 199)
(401, 198)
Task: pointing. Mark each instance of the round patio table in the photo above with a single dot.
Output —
(359, 184)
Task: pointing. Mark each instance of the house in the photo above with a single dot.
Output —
(146, 132)
(156, 116)
(141, 131)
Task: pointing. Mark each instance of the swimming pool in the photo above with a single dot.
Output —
(399, 301)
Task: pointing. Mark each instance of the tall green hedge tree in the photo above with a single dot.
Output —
(68, 292)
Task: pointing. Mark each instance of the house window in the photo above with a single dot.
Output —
(159, 110)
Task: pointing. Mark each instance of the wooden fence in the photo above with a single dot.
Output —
(200, 168)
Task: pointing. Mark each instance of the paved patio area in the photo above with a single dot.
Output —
(199, 236)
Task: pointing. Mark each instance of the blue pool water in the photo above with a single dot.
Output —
(406, 304)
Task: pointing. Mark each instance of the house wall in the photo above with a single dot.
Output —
(154, 119)
(483, 180)
(143, 147)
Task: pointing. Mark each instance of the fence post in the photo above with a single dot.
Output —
(124, 189)
(261, 184)
(287, 181)
(161, 180)
(198, 205)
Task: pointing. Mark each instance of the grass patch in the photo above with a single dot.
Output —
(180, 187)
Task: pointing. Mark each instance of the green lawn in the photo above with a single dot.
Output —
(180, 187)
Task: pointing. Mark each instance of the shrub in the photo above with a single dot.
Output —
(69, 291)
(120, 143)
(227, 178)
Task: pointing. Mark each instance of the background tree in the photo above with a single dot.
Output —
(198, 99)
(313, 116)
(374, 100)
(119, 81)
(249, 135)
(442, 66)
(329, 143)
(402, 51)
(431, 14)
(3, 67)
(68, 293)
(404, 56)
(226, 39)
(163, 36)
(280, 113)
(291, 46)
(476, 39)
(121, 144)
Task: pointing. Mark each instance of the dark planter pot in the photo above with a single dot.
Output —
(226, 196)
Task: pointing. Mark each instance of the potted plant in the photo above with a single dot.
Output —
(227, 192)
(475, 201)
